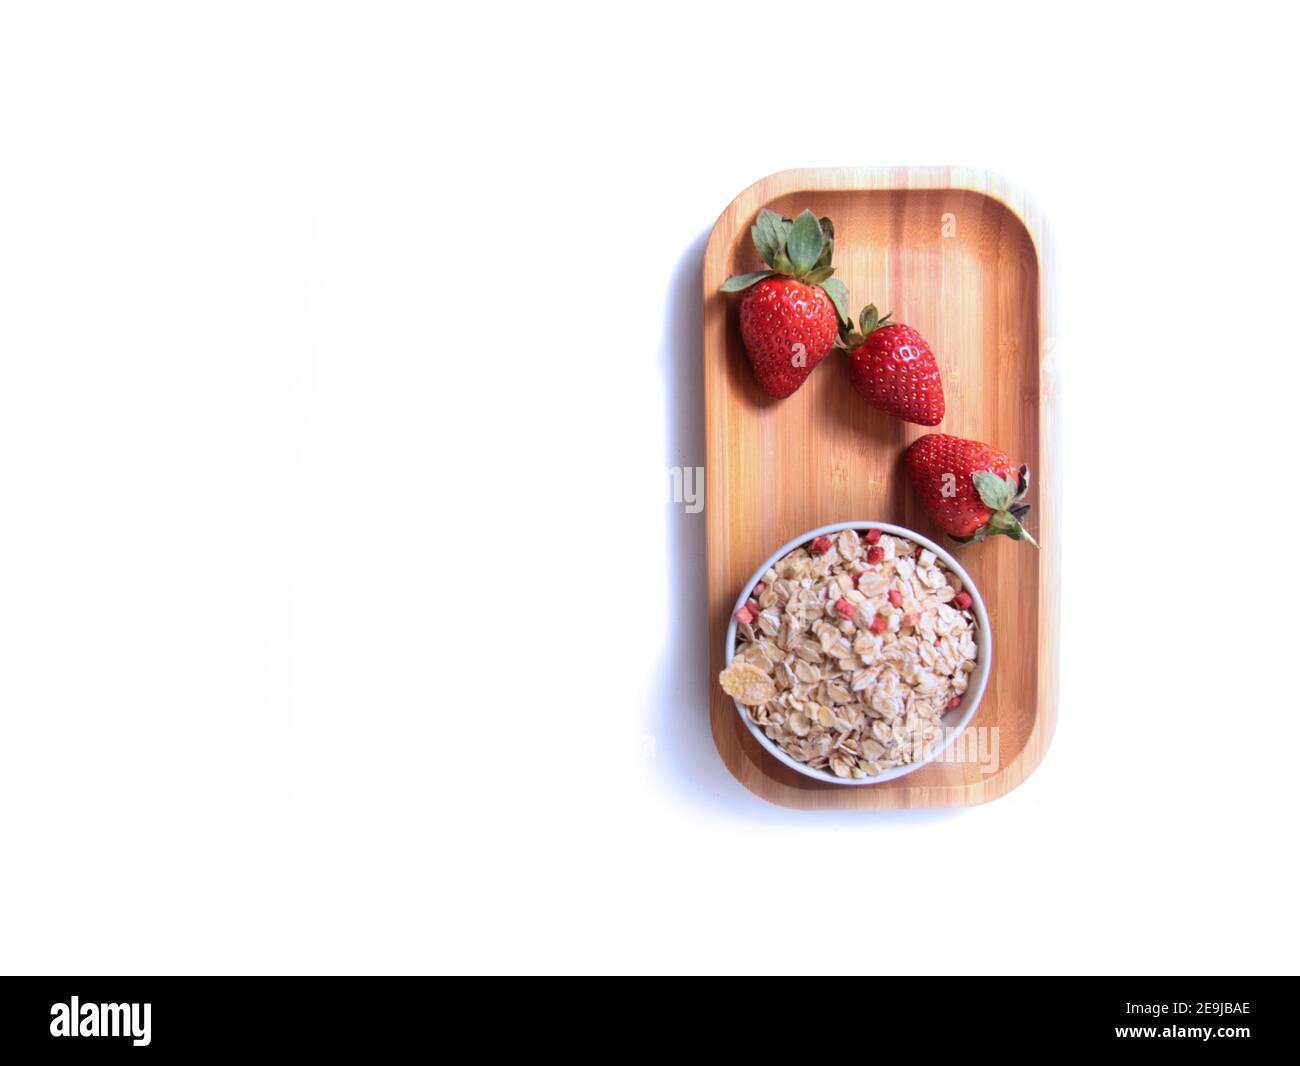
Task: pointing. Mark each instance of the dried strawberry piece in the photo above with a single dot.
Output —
(845, 609)
(962, 601)
(879, 624)
(745, 615)
(758, 590)
(954, 703)
(820, 545)
(872, 536)
(875, 554)
(896, 597)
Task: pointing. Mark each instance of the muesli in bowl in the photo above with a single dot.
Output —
(858, 652)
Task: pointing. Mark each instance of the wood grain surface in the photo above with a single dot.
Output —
(961, 256)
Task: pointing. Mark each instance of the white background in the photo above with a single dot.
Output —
(345, 624)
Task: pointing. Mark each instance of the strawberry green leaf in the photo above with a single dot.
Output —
(804, 246)
(738, 282)
(782, 265)
(839, 297)
(1023, 487)
(769, 235)
(996, 493)
(819, 274)
(828, 250)
(1001, 522)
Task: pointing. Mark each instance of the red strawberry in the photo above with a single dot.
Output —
(893, 368)
(790, 315)
(788, 328)
(970, 490)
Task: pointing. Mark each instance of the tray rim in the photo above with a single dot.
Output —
(1026, 211)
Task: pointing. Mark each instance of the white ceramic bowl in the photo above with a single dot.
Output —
(954, 721)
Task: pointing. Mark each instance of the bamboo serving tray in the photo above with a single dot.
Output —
(961, 256)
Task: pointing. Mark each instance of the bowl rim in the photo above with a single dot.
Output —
(974, 695)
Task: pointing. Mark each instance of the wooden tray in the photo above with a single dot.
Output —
(961, 256)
